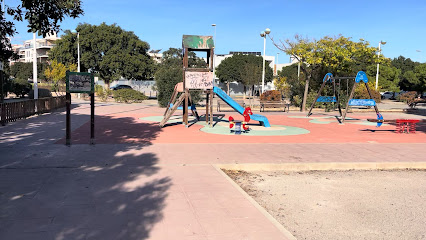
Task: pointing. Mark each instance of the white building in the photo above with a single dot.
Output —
(43, 45)
(156, 55)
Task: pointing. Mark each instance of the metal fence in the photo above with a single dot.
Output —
(10, 112)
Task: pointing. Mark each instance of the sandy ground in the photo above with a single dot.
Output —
(342, 204)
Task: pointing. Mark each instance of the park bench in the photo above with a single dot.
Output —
(221, 104)
(416, 101)
(274, 104)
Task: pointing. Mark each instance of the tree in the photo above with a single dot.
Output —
(56, 73)
(417, 78)
(388, 77)
(251, 74)
(243, 69)
(338, 55)
(170, 72)
(107, 50)
(24, 70)
(295, 82)
(42, 16)
(405, 65)
(281, 84)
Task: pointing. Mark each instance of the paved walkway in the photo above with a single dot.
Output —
(153, 186)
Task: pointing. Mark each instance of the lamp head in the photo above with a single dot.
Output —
(74, 31)
(267, 31)
(262, 34)
(382, 42)
(213, 25)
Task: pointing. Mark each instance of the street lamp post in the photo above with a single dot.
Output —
(78, 48)
(78, 54)
(35, 66)
(214, 53)
(378, 56)
(263, 34)
(276, 64)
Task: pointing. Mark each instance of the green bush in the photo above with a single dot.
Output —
(271, 95)
(407, 97)
(20, 87)
(166, 78)
(99, 89)
(362, 93)
(102, 93)
(297, 101)
(42, 93)
(128, 96)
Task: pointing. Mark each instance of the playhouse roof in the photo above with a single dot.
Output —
(197, 42)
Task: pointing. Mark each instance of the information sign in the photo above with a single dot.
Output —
(80, 82)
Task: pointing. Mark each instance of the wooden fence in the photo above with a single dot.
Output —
(10, 112)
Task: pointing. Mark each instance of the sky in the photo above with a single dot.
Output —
(161, 23)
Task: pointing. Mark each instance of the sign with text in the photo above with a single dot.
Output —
(198, 80)
(80, 82)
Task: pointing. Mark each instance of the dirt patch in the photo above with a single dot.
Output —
(342, 204)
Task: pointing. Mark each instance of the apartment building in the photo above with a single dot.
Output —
(43, 45)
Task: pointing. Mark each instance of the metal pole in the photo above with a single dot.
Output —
(35, 68)
(78, 52)
(68, 119)
(263, 68)
(78, 58)
(276, 65)
(298, 71)
(214, 57)
(92, 118)
(377, 75)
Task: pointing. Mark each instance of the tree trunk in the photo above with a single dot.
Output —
(244, 92)
(227, 84)
(305, 95)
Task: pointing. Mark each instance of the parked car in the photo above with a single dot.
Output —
(387, 95)
(116, 87)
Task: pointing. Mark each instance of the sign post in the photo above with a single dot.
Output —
(80, 82)
(3, 107)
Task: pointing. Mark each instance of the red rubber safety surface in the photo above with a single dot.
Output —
(128, 128)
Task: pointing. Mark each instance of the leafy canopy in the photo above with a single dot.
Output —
(107, 50)
(245, 69)
(417, 78)
(56, 73)
(339, 55)
(24, 70)
(42, 16)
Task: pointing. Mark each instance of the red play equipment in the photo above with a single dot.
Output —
(246, 115)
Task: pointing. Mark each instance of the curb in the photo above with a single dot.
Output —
(278, 225)
(323, 166)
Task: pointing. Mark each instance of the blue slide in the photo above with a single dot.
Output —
(237, 107)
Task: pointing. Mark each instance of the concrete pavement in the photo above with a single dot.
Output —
(151, 187)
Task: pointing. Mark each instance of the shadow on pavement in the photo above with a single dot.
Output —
(106, 191)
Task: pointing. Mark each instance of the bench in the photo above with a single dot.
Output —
(221, 103)
(274, 104)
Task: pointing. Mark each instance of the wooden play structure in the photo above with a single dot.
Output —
(193, 79)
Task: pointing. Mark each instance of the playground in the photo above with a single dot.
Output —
(138, 171)
(166, 182)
